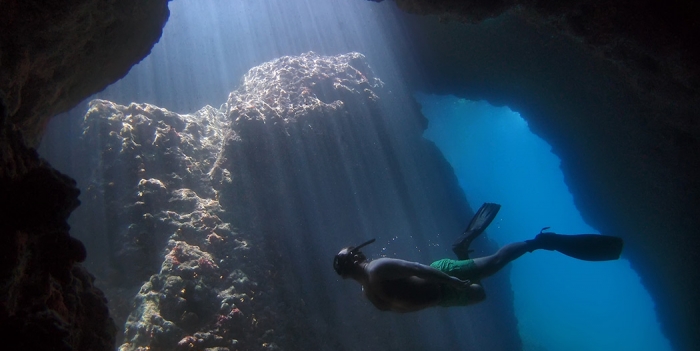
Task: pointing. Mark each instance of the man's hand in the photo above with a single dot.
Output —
(461, 284)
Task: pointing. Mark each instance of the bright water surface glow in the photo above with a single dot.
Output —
(561, 303)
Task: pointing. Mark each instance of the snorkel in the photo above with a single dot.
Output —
(363, 244)
(347, 257)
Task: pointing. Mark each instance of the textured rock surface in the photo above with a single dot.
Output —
(218, 209)
(47, 300)
(628, 134)
(653, 42)
(54, 55)
(151, 169)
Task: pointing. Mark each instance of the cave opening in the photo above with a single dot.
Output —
(560, 303)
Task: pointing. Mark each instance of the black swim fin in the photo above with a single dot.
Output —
(587, 247)
(483, 217)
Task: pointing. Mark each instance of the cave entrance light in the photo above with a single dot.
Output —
(560, 303)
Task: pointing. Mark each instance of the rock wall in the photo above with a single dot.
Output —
(48, 299)
(651, 42)
(55, 55)
(231, 216)
(627, 133)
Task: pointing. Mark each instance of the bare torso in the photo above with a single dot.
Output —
(403, 295)
(403, 286)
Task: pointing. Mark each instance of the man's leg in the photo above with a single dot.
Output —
(590, 247)
(487, 266)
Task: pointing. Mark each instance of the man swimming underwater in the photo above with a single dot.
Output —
(402, 286)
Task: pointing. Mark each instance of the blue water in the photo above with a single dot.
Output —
(561, 303)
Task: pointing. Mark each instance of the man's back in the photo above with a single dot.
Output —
(392, 286)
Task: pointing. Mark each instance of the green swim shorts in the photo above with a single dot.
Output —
(465, 269)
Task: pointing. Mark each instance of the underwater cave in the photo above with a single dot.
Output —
(179, 174)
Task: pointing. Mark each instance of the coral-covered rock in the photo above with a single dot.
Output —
(153, 167)
(207, 208)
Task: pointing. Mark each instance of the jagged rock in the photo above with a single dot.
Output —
(151, 161)
(52, 57)
(48, 300)
(56, 55)
(652, 42)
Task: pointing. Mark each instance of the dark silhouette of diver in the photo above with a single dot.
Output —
(403, 286)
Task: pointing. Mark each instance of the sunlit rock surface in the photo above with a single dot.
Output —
(163, 215)
(219, 221)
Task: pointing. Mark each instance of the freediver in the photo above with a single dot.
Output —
(403, 286)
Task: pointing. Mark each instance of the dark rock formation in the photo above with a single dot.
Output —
(619, 106)
(48, 300)
(652, 42)
(222, 207)
(55, 55)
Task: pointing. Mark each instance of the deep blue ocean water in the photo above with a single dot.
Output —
(561, 303)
